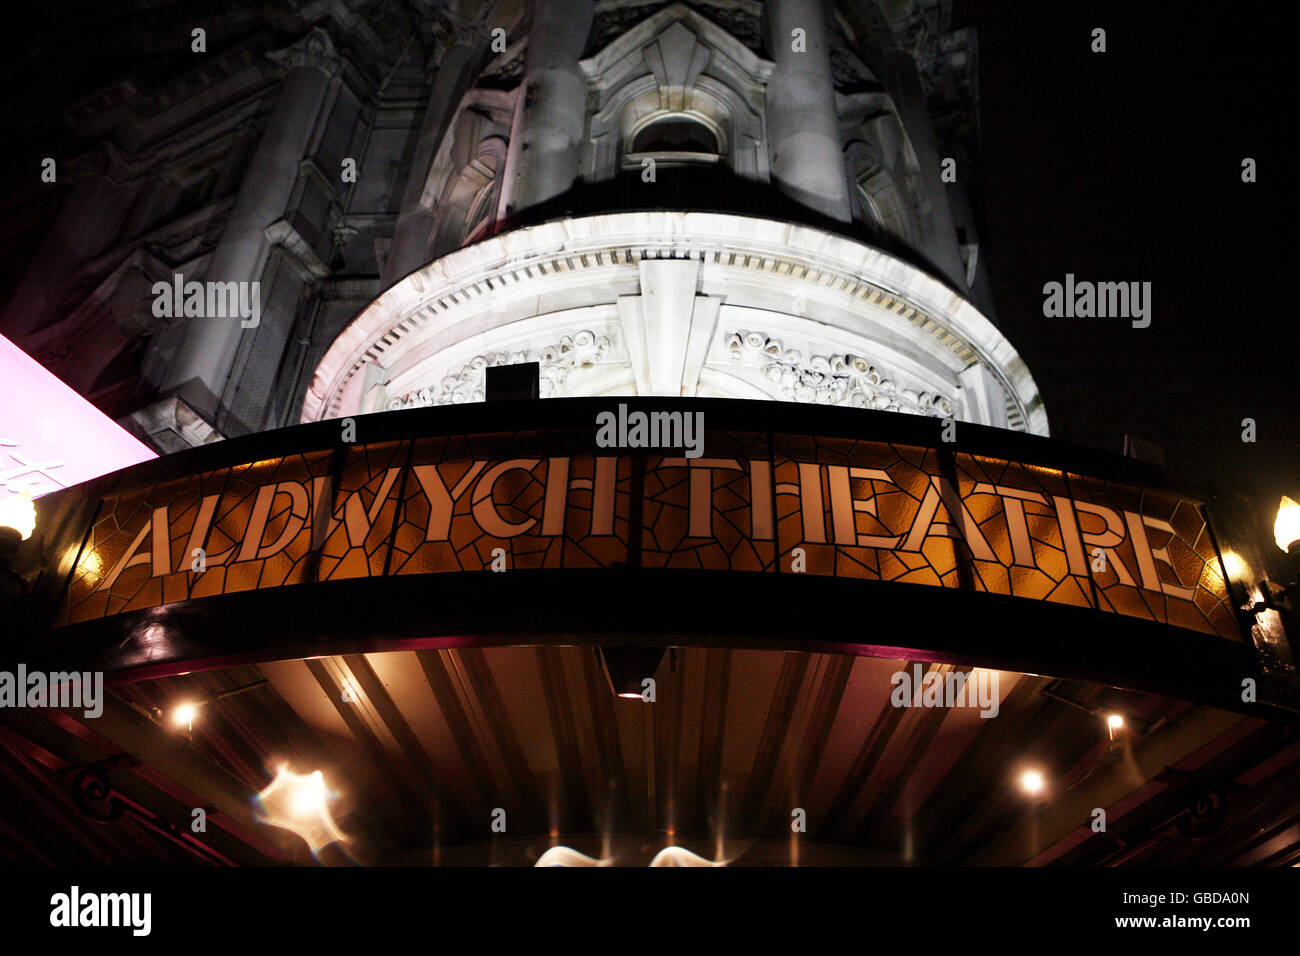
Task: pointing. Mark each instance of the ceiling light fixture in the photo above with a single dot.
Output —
(627, 669)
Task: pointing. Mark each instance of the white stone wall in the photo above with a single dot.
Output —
(683, 304)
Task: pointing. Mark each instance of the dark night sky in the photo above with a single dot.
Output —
(1126, 166)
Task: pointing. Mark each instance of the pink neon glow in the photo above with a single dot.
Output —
(51, 437)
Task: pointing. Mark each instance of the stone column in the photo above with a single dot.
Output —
(897, 71)
(803, 134)
(203, 362)
(548, 150)
(457, 59)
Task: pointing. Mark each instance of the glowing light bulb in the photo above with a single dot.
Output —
(1286, 529)
(18, 512)
(184, 715)
(309, 797)
(1114, 721)
(1032, 782)
(300, 803)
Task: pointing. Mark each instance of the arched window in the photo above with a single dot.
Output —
(674, 140)
(676, 134)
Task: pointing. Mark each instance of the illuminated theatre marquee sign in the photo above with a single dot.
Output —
(752, 502)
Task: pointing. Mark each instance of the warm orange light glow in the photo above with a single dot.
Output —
(1286, 529)
(1235, 566)
(17, 512)
(1032, 782)
(309, 798)
(630, 695)
(91, 566)
(680, 856)
(300, 803)
(566, 856)
(1114, 724)
(184, 715)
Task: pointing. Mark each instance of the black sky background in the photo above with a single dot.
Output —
(1126, 166)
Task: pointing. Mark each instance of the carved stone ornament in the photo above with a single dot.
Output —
(831, 379)
(573, 353)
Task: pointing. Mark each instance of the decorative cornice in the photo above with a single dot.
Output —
(316, 49)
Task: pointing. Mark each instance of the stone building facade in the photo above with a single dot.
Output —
(717, 198)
